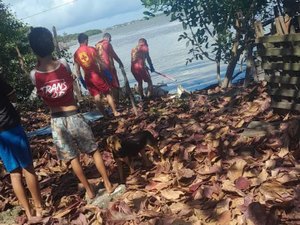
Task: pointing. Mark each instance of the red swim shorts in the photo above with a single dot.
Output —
(96, 84)
(140, 73)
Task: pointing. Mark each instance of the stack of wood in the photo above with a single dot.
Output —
(280, 56)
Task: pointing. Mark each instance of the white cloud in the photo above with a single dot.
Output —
(73, 14)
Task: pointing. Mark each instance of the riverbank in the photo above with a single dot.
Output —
(218, 168)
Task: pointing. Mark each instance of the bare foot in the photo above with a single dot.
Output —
(116, 114)
(41, 211)
(34, 219)
(91, 192)
(110, 188)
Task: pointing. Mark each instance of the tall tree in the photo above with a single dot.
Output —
(219, 30)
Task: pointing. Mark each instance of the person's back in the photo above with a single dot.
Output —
(138, 56)
(105, 53)
(85, 56)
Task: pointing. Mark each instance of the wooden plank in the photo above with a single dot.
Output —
(253, 133)
(285, 105)
(282, 79)
(259, 31)
(279, 52)
(260, 128)
(279, 38)
(281, 66)
(285, 92)
(56, 42)
(255, 124)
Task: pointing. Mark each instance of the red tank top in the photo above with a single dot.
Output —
(55, 87)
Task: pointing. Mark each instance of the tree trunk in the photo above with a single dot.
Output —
(250, 66)
(235, 56)
(219, 73)
(229, 72)
(218, 61)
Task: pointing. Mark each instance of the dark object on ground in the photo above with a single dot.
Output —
(124, 150)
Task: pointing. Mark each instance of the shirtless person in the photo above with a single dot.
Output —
(107, 55)
(139, 55)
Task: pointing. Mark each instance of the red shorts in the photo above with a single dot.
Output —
(96, 83)
(140, 73)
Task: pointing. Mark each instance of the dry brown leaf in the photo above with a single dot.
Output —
(242, 183)
(185, 173)
(236, 170)
(228, 186)
(171, 194)
(223, 206)
(240, 123)
(262, 177)
(275, 191)
(62, 213)
(210, 127)
(162, 178)
(224, 218)
(180, 209)
(157, 185)
(283, 152)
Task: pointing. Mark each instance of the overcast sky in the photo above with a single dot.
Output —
(78, 16)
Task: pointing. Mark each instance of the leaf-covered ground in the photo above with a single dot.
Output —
(217, 171)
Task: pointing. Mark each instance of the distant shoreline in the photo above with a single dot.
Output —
(67, 40)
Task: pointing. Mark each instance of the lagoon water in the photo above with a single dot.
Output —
(167, 53)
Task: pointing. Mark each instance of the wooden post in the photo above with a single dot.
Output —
(56, 42)
(21, 61)
(128, 90)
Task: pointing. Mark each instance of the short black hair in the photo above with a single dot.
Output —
(41, 41)
(106, 35)
(82, 38)
(143, 40)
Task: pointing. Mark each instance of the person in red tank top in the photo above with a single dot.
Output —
(139, 55)
(70, 132)
(86, 58)
(107, 55)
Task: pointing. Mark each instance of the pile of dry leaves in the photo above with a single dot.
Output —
(229, 160)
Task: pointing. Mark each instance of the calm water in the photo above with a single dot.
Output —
(168, 55)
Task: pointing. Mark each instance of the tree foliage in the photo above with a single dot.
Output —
(16, 57)
(218, 30)
(13, 38)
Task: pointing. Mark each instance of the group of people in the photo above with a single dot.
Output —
(100, 75)
(71, 134)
